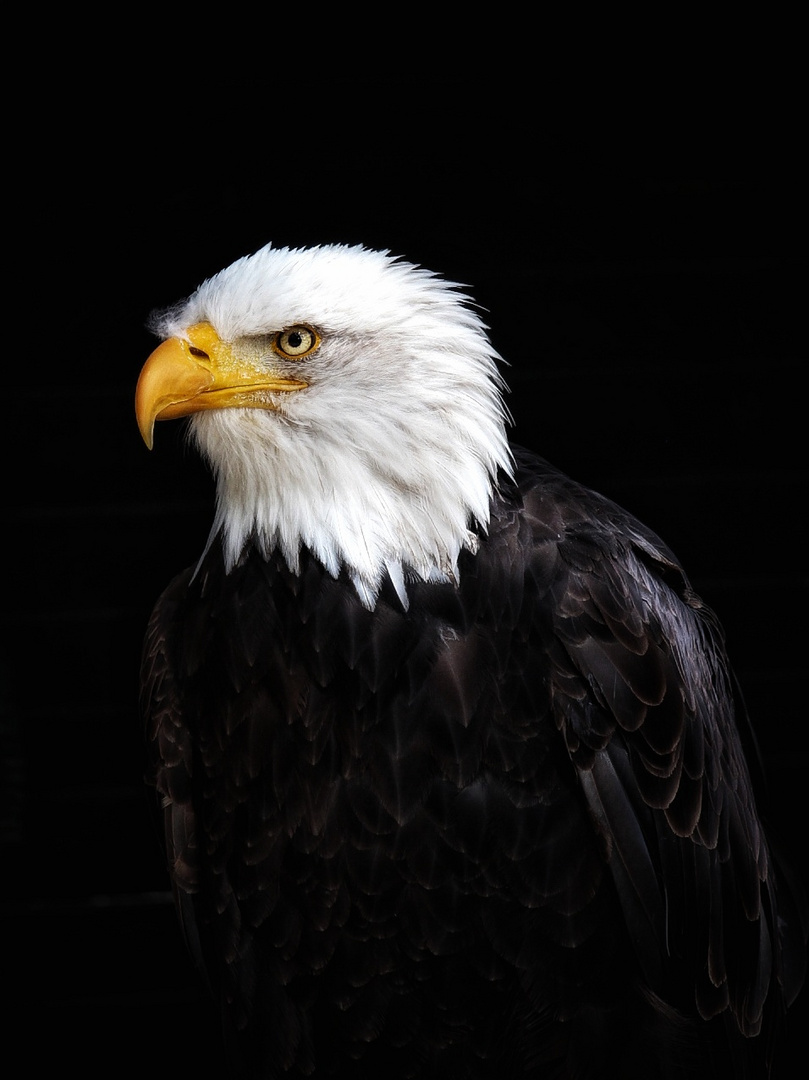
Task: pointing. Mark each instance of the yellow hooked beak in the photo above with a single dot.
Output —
(200, 371)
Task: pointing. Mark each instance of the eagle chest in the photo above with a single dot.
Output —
(351, 758)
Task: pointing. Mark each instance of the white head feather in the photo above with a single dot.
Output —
(389, 457)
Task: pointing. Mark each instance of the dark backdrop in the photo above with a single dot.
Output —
(652, 315)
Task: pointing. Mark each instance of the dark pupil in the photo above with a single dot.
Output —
(295, 340)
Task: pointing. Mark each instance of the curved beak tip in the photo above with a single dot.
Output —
(147, 435)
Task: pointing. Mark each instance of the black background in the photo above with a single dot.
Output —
(648, 295)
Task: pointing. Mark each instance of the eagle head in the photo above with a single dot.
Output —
(347, 401)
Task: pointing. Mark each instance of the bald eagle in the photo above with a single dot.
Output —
(455, 776)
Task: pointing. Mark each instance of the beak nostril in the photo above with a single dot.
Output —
(197, 352)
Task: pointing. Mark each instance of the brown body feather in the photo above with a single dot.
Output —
(509, 832)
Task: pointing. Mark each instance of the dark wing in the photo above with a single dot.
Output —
(644, 697)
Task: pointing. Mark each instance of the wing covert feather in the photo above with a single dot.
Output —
(642, 693)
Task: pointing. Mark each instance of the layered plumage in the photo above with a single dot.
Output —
(453, 769)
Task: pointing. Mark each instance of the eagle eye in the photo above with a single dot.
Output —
(296, 342)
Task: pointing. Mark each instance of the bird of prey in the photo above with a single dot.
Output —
(455, 775)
